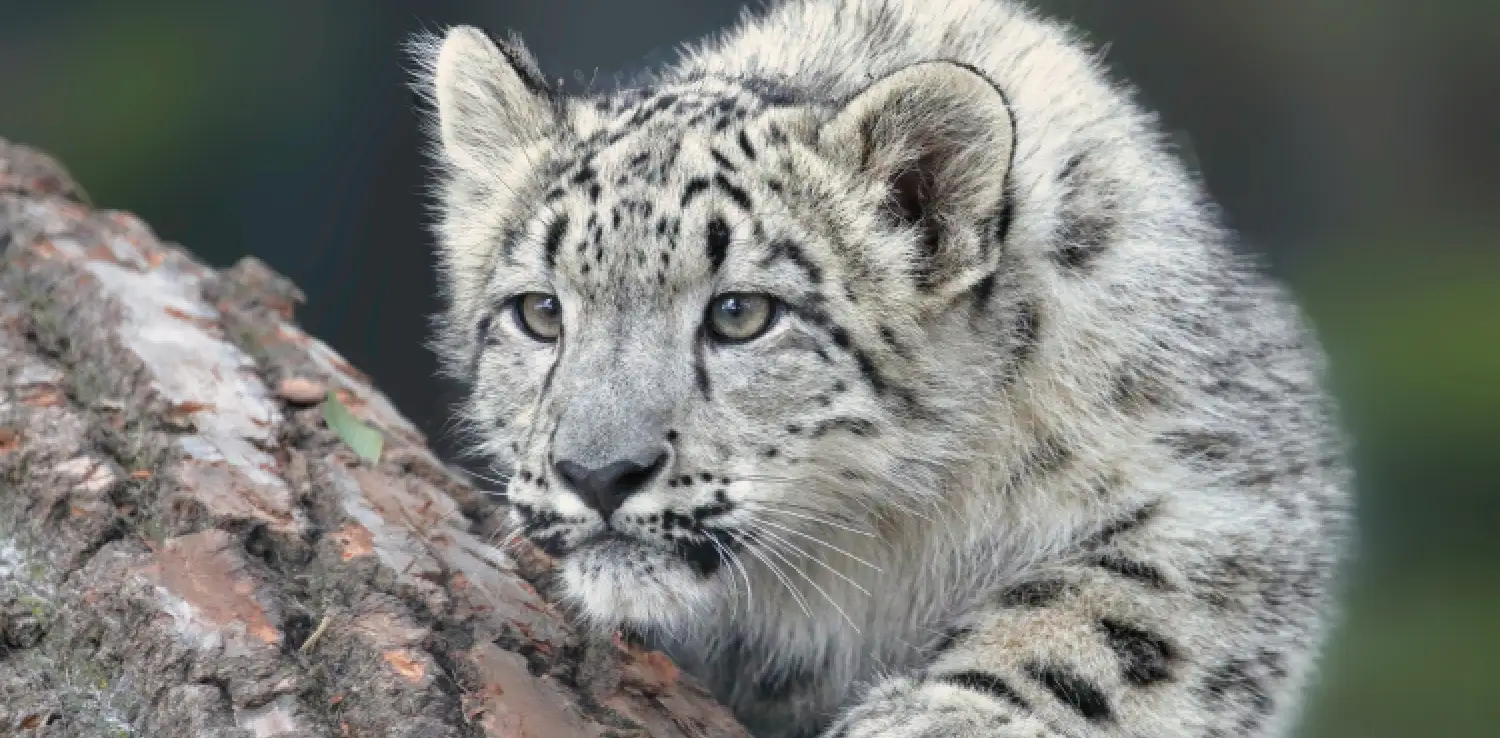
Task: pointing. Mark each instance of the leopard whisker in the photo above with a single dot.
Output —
(750, 546)
(774, 551)
(815, 559)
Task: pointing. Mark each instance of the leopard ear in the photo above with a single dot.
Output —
(490, 96)
(941, 136)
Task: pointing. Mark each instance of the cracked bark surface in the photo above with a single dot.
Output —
(188, 551)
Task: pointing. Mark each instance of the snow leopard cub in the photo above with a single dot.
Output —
(880, 364)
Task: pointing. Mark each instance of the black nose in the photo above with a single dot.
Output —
(605, 489)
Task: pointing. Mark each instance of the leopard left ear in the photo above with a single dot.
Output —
(491, 99)
(941, 136)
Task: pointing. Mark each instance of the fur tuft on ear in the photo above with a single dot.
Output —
(940, 134)
(491, 98)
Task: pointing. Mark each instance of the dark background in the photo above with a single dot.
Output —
(1354, 142)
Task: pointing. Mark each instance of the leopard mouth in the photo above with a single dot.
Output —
(704, 550)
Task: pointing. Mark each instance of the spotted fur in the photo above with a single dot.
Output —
(1029, 452)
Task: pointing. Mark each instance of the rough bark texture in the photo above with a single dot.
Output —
(187, 550)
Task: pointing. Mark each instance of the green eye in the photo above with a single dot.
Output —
(539, 315)
(740, 316)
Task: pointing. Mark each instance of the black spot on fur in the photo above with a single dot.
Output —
(722, 160)
(745, 146)
(701, 554)
(718, 241)
(889, 336)
(555, 233)
(700, 373)
(735, 192)
(1025, 332)
(867, 368)
(509, 240)
(1070, 167)
(985, 682)
(1084, 236)
(695, 187)
(1145, 658)
(482, 331)
(856, 426)
(982, 291)
(840, 336)
(1073, 690)
(1131, 569)
(1037, 593)
(1134, 519)
(792, 251)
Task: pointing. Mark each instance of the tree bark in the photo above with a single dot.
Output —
(187, 549)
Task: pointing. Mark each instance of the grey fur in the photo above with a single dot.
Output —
(1032, 452)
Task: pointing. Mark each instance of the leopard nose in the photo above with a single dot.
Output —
(606, 488)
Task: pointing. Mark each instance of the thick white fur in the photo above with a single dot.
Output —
(1169, 384)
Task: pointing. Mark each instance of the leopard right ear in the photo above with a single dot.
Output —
(490, 96)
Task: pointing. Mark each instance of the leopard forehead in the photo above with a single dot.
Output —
(659, 196)
(624, 208)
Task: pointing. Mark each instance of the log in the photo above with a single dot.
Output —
(188, 549)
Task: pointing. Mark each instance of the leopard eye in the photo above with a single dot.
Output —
(738, 317)
(539, 315)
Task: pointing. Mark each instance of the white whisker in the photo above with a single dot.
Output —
(774, 552)
(815, 559)
(765, 507)
(750, 547)
(816, 540)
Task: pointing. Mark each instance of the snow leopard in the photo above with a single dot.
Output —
(881, 362)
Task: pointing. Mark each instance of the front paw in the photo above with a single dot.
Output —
(906, 708)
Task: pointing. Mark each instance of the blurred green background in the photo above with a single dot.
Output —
(1356, 144)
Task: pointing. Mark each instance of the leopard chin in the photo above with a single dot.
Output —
(615, 579)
